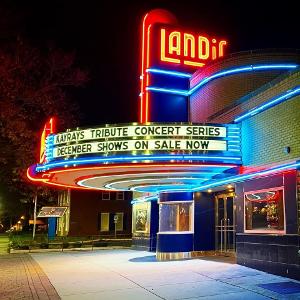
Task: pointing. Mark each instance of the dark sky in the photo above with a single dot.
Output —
(106, 38)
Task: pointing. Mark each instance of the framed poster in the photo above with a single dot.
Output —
(141, 220)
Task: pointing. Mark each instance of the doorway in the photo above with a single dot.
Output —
(225, 226)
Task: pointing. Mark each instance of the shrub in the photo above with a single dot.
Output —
(44, 246)
(65, 245)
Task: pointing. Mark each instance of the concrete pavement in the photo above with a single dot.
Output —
(136, 275)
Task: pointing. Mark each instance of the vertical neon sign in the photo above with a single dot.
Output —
(165, 46)
(49, 128)
(151, 18)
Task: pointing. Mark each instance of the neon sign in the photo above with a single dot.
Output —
(171, 51)
(179, 47)
(49, 128)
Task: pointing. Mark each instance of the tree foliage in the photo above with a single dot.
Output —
(34, 85)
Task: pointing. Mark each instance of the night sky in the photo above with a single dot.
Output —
(106, 38)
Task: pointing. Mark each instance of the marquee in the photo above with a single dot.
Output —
(142, 139)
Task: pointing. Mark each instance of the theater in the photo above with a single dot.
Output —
(214, 160)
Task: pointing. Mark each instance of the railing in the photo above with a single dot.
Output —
(144, 242)
(227, 235)
(42, 242)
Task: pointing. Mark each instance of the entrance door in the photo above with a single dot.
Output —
(225, 222)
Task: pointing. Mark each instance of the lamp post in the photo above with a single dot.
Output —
(34, 216)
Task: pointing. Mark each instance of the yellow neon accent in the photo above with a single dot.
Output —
(192, 63)
(202, 40)
(174, 36)
(214, 52)
(43, 146)
(163, 48)
(186, 38)
(221, 47)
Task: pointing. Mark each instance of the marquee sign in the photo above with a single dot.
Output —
(139, 139)
(162, 130)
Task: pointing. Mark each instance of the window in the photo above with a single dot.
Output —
(104, 222)
(119, 223)
(105, 195)
(264, 211)
(176, 216)
(120, 196)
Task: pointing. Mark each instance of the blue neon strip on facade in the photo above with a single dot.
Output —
(222, 74)
(229, 180)
(243, 177)
(242, 70)
(92, 160)
(169, 91)
(171, 73)
(283, 66)
(144, 199)
(283, 97)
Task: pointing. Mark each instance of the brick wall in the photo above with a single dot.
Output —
(86, 207)
(221, 93)
(244, 59)
(298, 199)
(266, 92)
(265, 135)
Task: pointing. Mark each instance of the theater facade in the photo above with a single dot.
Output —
(214, 159)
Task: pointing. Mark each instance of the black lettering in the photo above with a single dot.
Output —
(204, 144)
(137, 145)
(141, 145)
(189, 130)
(189, 145)
(137, 130)
(201, 131)
(211, 131)
(164, 145)
(125, 131)
(118, 145)
(171, 130)
(156, 145)
(177, 128)
(98, 133)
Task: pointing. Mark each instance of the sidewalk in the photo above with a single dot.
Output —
(136, 275)
(22, 278)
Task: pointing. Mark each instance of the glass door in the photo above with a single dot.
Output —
(225, 222)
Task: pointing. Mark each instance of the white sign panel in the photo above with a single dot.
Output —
(140, 145)
(139, 131)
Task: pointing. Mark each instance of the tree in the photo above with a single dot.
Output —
(34, 85)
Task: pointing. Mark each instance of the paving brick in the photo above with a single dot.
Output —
(22, 278)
